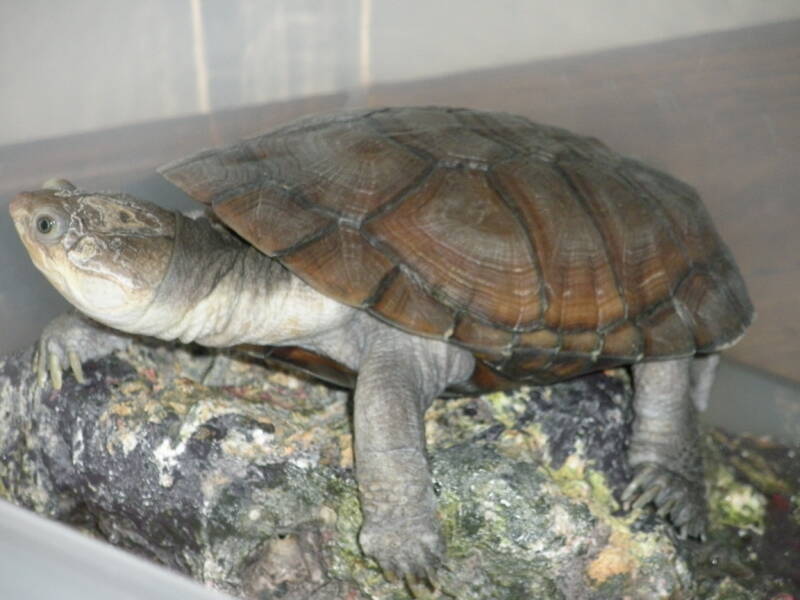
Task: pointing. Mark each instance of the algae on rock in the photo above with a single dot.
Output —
(242, 477)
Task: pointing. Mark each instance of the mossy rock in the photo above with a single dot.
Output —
(242, 477)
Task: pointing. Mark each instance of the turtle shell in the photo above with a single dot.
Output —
(543, 252)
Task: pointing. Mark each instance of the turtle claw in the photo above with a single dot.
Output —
(55, 370)
(390, 576)
(405, 551)
(665, 508)
(648, 495)
(432, 578)
(40, 364)
(674, 496)
(66, 343)
(422, 585)
(636, 483)
(76, 366)
(419, 587)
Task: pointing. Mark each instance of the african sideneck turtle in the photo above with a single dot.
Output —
(410, 253)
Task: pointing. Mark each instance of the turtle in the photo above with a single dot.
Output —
(411, 253)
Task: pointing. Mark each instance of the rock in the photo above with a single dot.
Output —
(242, 477)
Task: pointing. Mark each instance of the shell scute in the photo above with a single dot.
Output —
(442, 137)
(353, 268)
(459, 236)
(348, 170)
(472, 332)
(404, 302)
(665, 332)
(246, 209)
(647, 261)
(581, 285)
(624, 341)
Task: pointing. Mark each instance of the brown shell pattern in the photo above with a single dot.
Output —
(543, 252)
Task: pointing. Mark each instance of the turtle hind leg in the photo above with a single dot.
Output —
(664, 451)
(703, 370)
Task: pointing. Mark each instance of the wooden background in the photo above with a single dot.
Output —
(721, 111)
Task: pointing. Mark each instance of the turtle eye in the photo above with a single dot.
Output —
(45, 224)
(49, 226)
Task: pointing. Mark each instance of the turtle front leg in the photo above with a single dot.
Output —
(398, 378)
(70, 340)
(664, 450)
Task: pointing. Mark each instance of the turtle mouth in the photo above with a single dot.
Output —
(20, 215)
(19, 212)
(21, 209)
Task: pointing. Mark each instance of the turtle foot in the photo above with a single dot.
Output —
(67, 342)
(675, 497)
(407, 549)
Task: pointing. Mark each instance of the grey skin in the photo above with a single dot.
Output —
(131, 266)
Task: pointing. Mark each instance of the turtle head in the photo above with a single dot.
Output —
(105, 253)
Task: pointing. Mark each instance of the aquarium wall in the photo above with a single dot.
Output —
(88, 65)
(103, 93)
